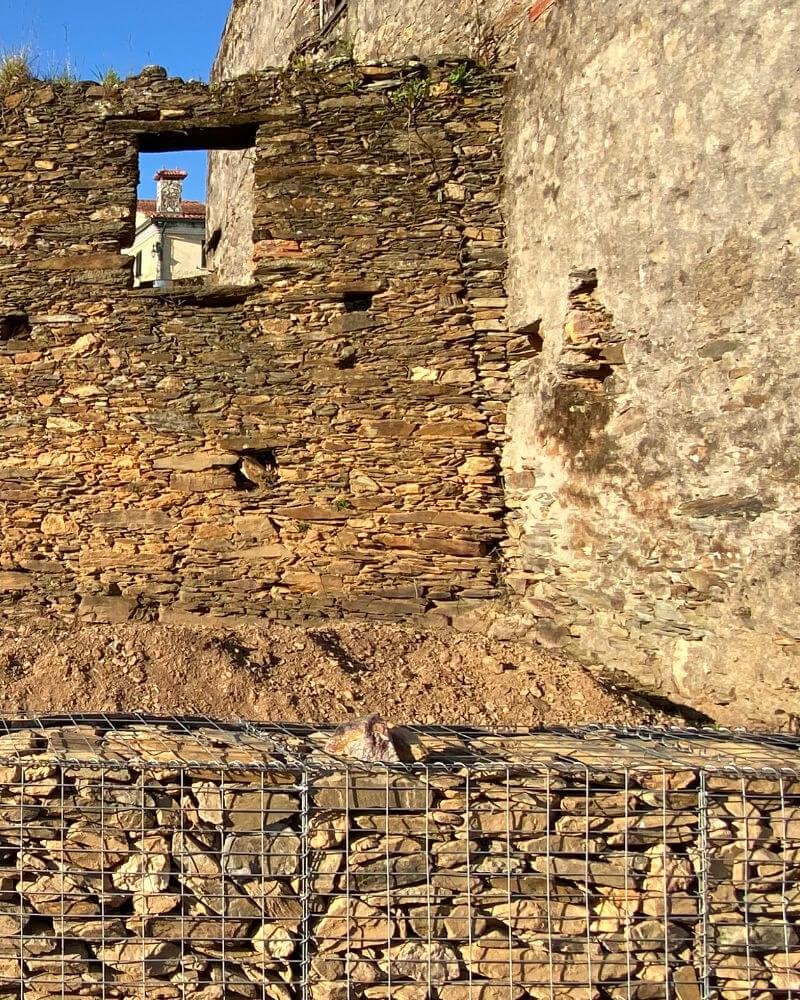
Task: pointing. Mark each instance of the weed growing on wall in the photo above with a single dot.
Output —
(299, 64)
(61, 75)
(410, 97)
(15, 69)
(342, 48)
(109, 78)
(462, 76)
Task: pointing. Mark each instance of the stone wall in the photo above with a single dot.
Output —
(257, 36)
(324, 440)
(189, 860)
(230, 219)
(651, 465)
(484, 30)
(653, 461)
(260, 35)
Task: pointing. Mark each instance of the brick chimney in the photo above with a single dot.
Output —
(169, 191)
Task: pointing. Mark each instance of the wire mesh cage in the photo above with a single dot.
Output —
(168, 858)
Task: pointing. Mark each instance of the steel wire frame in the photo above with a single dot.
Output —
(607, 862)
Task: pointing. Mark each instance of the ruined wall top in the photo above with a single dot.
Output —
(321, 441)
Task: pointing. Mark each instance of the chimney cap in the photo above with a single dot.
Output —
(170, 175)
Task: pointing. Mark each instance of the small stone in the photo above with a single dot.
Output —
(492, 665)
(274, 940)
(354, 922)
(431, 962)
(687, 986)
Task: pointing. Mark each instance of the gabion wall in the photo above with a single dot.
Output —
(166, 858)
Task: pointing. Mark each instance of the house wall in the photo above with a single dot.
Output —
(230, 220)
(395, 29)
(144, 243)
(258, 35)
(183, 253)
(653, 461)
(267, 451)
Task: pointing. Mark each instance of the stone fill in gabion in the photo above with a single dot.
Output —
(166, 858)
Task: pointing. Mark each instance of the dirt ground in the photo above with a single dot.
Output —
(279, 672)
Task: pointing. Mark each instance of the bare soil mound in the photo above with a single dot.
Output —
(280, 672)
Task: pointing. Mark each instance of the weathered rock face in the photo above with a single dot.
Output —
(653, 455)
(323, 440)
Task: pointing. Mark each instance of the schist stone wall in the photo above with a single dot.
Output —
(324, 436)
(323, 440)
(259, 35)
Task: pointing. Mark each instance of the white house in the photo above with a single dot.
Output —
(169, 244)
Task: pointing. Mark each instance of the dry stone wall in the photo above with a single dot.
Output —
(259, 35)
(324, 440)
(653, 284)
(485, 30)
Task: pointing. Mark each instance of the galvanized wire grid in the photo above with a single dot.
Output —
(167, 858)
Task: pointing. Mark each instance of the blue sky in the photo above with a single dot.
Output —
(91, 36)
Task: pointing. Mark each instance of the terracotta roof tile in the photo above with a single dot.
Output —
(189, 210)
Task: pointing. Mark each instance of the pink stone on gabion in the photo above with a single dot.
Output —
(366, 739)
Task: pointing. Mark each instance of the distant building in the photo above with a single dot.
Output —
(170, 235)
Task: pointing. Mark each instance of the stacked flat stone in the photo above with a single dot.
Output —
(167, 859)
(322, 440)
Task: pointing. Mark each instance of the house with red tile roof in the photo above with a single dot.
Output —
(169, 244)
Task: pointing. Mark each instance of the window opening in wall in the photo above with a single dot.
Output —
(14, 326)
(170, 246)
(169, 240)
